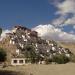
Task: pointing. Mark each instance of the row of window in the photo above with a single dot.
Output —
(20, 61)
(16, 61)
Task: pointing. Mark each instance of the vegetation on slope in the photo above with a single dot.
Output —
(34, 48)
(2, 55)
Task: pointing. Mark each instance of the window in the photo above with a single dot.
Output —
(15, 61)
(20, 61)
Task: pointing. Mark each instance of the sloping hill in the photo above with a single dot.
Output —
(25, 42)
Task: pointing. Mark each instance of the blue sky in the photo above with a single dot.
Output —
(25, 12)
(38, 14)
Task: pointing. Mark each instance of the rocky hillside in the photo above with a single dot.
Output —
(23, 42)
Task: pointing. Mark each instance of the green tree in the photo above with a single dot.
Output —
(0, 31)
(30, 53)
(2, 55)
(72, 58)
(61, 59)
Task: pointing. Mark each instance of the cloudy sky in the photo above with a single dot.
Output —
(52, 19)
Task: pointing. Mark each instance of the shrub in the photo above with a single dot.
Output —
(30, 53)
(2, 55)
(48, 61)
(72, 58)
(0, 31)
(60, 59)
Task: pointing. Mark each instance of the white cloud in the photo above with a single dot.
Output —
(64, 8)
(3, 35)
(74, 27)
(59, 21)
(50, 32)
(70, 21)
(72, 32)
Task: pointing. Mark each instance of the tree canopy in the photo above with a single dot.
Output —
(0, 31)
(2, 55)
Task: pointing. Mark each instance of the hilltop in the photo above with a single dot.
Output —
(25, 43)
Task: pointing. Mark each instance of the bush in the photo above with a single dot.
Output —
(2, 55)
(48, 61)
(0, 31)
(60, 59)
(72, 58)
(30, 53)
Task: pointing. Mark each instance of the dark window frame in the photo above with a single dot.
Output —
(15, 61)
(21, 61)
